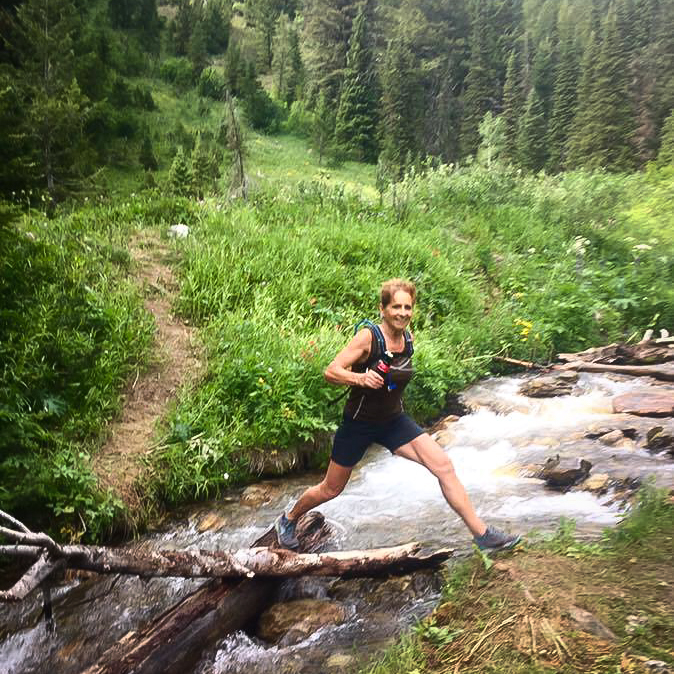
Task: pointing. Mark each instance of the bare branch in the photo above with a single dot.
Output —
(42, 540)
(12, 520)
(31, 580)
(20, 550)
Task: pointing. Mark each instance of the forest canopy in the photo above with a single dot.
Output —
(542, 84)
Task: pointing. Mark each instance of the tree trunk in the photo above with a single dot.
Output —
(644, 353)
(250, 563)
(664, 372)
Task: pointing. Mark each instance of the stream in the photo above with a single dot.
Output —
(387, 502)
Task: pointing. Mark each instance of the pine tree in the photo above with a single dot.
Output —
(542, 73)
(146, 155)
(480, 81)
(55, 107)
(531, 142)
(666, 153)
(147, 20)
(582, 139)
(16, 168)
(179, 176)
(182, 27)
(563, 101)
(287, 65)
(512, 109)
(611, 103)
(327, 27)
(400, 106)
(356, 123)
(235, 70)
(323, 131)
(216, 19)
(202, 168)
(263, 16)
(295, 79)
(197, 51)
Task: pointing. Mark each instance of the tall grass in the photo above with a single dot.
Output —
(504, 264)
(72, 330)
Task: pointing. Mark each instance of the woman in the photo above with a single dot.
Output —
(374, 413)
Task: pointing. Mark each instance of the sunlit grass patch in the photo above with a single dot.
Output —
(286, 160)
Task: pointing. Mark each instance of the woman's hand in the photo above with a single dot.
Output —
(370, 379)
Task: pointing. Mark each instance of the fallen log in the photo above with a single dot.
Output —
(251, 562)
(663, 372)
(522, 363)
(644, 353)
(175, 640)
(43, 567)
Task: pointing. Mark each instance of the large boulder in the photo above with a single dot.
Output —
(550, 386)
(292, 621)
(645, 403)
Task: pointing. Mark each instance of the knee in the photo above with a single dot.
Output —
(444, 470)
(330, 490)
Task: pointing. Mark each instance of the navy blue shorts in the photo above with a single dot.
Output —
(353, 437)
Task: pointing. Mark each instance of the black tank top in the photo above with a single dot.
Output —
(379, 405)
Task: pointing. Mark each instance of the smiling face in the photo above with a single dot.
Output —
(398, 312)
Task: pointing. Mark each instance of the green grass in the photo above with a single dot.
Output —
(624, 581)
(278, 283)
(286, 161)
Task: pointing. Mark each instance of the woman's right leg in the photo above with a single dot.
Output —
(332, 485)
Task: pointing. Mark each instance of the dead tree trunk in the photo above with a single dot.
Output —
(644, 353)
(250, 563)
(663, 372)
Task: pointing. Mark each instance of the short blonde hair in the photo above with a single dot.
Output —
(392, 286)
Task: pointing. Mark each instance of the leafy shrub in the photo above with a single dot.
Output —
(300, 120)
(177, 71)
(212, 83)
(71, 329)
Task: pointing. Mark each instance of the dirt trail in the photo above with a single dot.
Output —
(119, 464)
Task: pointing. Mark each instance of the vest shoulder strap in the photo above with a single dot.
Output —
(409, 344)
(378, 338)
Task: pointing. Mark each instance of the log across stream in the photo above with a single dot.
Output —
(388, 502)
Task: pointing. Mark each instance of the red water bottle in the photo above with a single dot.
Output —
(383, 368)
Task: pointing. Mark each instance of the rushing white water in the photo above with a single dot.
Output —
(389, 500)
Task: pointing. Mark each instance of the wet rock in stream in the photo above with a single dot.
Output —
(563, 479)
(658, 440)
(288, 623)
(601, 432)
(645, 403)
(550, 386)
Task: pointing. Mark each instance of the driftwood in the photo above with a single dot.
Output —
(523, 363)
(663, 372)
(644, 353)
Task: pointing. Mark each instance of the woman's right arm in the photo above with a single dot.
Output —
(357, 350)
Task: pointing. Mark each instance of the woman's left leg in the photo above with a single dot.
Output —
(424, 450)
